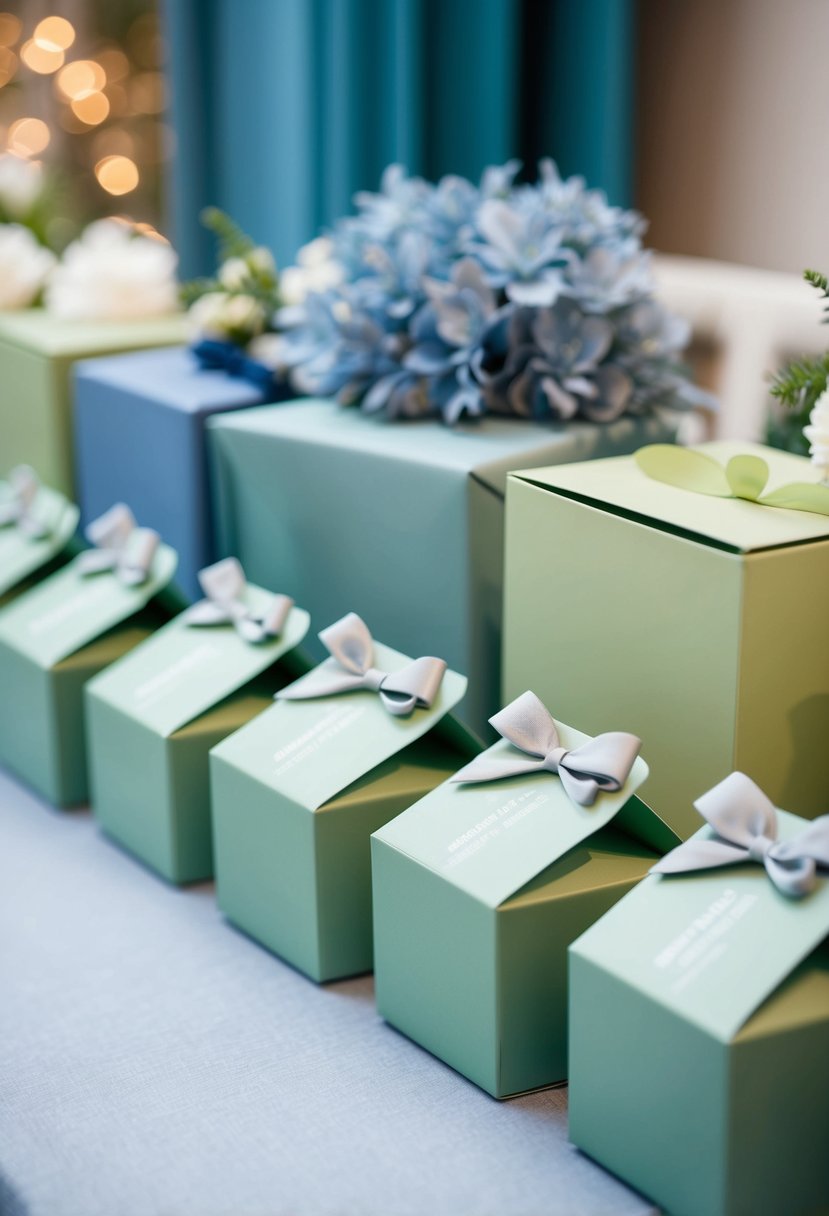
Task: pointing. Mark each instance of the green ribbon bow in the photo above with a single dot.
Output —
(743, 477)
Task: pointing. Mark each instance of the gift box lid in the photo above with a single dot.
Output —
(69, 609)
(169, 375)
(486, 449)
(492, 839)
(22, 554)
(312, 750)
(710, 945)
(183, 670)
(36, 330)
(618, 485)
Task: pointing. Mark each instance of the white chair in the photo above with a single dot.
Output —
(746, 324)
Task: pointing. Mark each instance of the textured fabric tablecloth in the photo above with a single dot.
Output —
(154, 1062)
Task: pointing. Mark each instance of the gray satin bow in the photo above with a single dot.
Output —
(21, 507)
(351, 644)
(120, 546)
(603, 763)
(746, 825)
(224, 584)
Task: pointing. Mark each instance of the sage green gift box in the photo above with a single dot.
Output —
(478, 892)
(153, 718)
(699, 622)
(53, 639)
(25, 555)
(37, 354)
(699, 1043)
(402, 522)
(296, 795)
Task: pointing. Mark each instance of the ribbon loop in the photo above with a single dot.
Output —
(746, 827)
(120, 546)
(600, 764)
(350, 643)
(224, 585)
(20, 508)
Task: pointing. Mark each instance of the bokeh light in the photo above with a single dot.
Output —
(117, 174)
(80, 78)
(28, 136)
(92, 109)
(41, 59)
(54, 34)
(10, 29)
(8, 65)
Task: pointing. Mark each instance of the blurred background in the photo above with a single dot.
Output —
(707, 115)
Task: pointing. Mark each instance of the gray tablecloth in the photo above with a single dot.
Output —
(154, 1062)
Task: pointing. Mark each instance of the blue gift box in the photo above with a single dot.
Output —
(139, 439)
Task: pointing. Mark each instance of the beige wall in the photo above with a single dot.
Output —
(733, 129)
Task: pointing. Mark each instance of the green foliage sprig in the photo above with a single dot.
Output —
(244, 293)
(798, 385)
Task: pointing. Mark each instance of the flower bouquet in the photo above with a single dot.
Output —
(533, 301)
(232, 314)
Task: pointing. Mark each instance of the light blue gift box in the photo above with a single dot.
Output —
(400, 522)
(139, 439)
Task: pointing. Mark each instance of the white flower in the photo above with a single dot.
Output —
(261, 260)
(316, 270)
(21, 181)
(817, 432)
(110, 273)
(216, 315)
(24, 266)
(234, 273)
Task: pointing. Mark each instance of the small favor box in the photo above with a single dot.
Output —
(36, 526)
(699, 1041)
(698, 621)
(479, 889)
(37, 353)
(403, 522)
(139, 424)
(53, 639)
(298, 792)
(154, 716)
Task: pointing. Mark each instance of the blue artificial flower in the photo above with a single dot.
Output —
(453, 299)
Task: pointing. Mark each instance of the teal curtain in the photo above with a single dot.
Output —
(282, 109)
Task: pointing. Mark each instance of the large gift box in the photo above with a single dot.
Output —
(154, 716)
(699, 1019)
(481, 886)
(697, 619)
(139, 435)
(401, 521)
(37, 354)
(57, 635)
(36, 526)
(299, 790)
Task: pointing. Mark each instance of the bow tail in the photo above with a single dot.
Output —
(581, 788)
(700, 855)
(483, 768)
(320, 684)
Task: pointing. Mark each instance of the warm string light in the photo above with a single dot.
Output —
(91, 91)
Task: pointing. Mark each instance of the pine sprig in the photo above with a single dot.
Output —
(233, 242)
(799, 385)
(820, 283)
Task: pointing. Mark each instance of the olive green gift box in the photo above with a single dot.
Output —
(699, 1042)
(296, 795)
(37, 355)
(153, 718)
(53, 638)
(478, 892)
(23, 557)
(699, 622)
